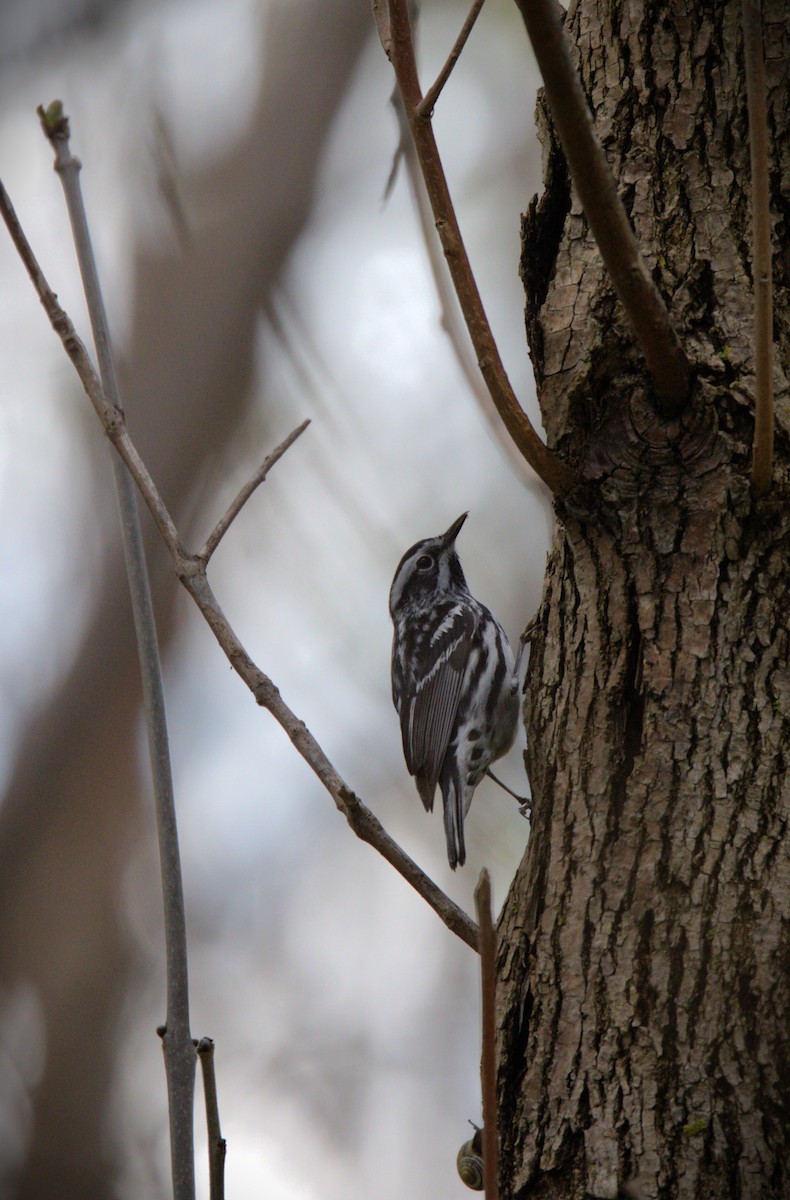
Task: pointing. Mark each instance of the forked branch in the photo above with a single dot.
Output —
(191, 570)
(223, 525)
(753, 56)
(216, 1142)
(176, 1038)
(451, 317)
(432, 95)
(638, 294)
(397, 41)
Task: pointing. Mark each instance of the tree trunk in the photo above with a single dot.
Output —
(644, 968)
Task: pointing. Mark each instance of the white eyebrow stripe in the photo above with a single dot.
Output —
(399, 582)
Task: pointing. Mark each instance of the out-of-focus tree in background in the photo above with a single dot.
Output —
(235, 159)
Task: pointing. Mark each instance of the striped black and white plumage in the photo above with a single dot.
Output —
(454, 681)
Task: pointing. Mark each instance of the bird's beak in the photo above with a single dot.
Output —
(452, 533)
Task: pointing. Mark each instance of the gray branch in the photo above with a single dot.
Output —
(191, 570)
(216, 1142)
(176, 1041)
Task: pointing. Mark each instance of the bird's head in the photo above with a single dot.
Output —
(429, 569)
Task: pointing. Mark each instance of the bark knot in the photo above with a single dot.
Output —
(634, 438)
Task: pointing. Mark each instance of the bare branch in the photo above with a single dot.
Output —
(451, 318)
(361, 820)
(554, 473)
(753, 56)
(191, 571)
(428, 102)
(638, 294)
(487, 944)
(216, 1142)
(365, 825)
(382, 18)
(110, 417)
(177, 1041)
(222, 526)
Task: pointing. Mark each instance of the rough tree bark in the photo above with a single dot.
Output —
(644, 967)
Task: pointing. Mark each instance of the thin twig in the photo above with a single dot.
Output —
(177, 1041)
(381, 16)
(554, 473)
(428, 102)
(451, 318)
(364, 824)
(222, 526)
(638, 294)
(216, 1142)
(753, 56)
(192, 573)
(487, 943)
(110, 417)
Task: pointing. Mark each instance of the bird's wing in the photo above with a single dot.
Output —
(427, 714)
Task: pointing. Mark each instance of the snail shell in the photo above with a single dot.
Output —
(470, 1162)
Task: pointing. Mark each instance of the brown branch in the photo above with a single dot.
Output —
(638, 294)
(451, 318)
(382, 18)
(216, 1142)
(554, 473)
(191, 571)
(223, 525)
(753, 56)
(487, 944)
(428, 102)
(362, 821)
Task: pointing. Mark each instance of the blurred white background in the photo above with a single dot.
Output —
(346, 1018)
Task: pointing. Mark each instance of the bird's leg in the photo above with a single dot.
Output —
(530, 629)
(524, 802)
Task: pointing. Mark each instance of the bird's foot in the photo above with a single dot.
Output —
(524, 802)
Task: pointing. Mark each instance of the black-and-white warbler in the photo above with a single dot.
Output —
(454, 680)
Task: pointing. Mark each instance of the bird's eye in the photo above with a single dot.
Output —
(424, 562)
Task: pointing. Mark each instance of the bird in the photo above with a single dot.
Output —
(454, 680)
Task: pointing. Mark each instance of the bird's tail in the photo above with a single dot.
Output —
(453, 797)
(426, 787)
